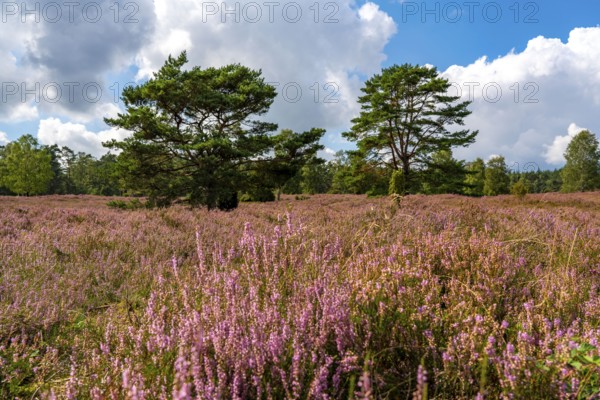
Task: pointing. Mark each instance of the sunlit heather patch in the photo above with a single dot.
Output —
(444, 297)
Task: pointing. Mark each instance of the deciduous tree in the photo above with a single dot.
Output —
(26, 169)
(582, 170)
(496, 177)
(475, 179)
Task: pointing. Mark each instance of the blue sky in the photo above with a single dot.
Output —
(456, 40)
(531, 68)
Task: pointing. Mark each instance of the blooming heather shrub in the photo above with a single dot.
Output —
(334, 297)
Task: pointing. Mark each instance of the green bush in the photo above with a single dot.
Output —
(519, 189)
(261, 195)
(397, 183)
(228, 201)
(134, 204)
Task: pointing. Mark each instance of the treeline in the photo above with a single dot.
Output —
(28, 168)
(196, 139)
(348, 173)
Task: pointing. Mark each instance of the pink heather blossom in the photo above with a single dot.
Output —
(298, 299)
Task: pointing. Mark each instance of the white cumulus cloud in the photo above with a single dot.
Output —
(3, 138)
(52, 54)
(522, 100)
(76, 136)
(555, 152)
(314, 53)
(326, 154)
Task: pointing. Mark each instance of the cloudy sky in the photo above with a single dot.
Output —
(531, 68)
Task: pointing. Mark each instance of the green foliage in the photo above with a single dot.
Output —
(406, 113)
(582, 364)
(82, 170)
(582, 170)
(443, 174)
(586, 362)
(553, 181)
(538, 181)
(352, 173)
(17, 374)
(55, 170)
(341, 173)
(397, 183)
(26, 169)
(293, 185)
(26, 367)
(81, 173)
(133, 204)
(496, 177)
(3, 189)
(260, 194)
(315, 177)
(59, 183)
(475, 178)
(106, 182)
(193, 134)
(293, 151)
(520, 188)
(228, 201)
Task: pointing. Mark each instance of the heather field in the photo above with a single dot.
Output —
(331, 297)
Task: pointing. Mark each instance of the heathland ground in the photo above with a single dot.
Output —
(332, 296)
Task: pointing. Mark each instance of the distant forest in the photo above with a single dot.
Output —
(43, 170)
(195, 138)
